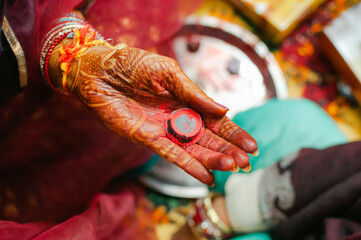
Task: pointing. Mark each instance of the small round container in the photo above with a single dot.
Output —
(184, 127)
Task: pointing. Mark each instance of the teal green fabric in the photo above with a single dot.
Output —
(254, 236)
(281, 127)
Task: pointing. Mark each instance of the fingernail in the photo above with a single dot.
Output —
(224, 107)
(255, 153)
(235, 169)
(247, 169)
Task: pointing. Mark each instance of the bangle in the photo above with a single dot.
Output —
(52, 37)
(47, 57)
(204, 221)
(61, 30)
(83, 35)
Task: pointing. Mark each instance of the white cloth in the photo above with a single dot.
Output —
(242, 193)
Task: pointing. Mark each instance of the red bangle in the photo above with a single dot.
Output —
(46, 63)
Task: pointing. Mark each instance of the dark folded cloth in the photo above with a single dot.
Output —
(323, 184)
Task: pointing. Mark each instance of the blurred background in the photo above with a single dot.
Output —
(243, 53)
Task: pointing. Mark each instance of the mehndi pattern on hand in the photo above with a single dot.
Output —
(133, 92)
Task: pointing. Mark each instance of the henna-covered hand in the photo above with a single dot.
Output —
(132, 92)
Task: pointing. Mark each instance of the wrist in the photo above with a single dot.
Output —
(54, 37)
(67, 41)
(219, 204)
(203, 218)
(54, 70)
(85, 62)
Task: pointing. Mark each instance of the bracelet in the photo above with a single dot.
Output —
(83, 35)
(46, 62)
(51, 37)
(204, 221)
(49, 46)
(60, 31)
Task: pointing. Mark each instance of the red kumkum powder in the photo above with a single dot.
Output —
(184, 127)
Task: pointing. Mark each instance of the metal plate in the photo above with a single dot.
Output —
(232, 66)
(256, 77)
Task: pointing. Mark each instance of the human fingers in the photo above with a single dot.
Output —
(152, 73)
(190, 94)
(177, 155)
(211, 159)
(218, 144)
(227, 129)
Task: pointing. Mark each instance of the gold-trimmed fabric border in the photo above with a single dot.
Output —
(18, 51)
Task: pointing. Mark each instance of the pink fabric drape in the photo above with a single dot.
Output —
(124, 215)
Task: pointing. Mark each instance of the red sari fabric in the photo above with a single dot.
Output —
(140, 23)
(55, 157)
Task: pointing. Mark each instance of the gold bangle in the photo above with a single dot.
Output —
(204, 221)
(212, 214)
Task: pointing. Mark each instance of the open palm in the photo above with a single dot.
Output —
(133, 92)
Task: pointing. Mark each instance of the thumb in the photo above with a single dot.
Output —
(189, 93)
